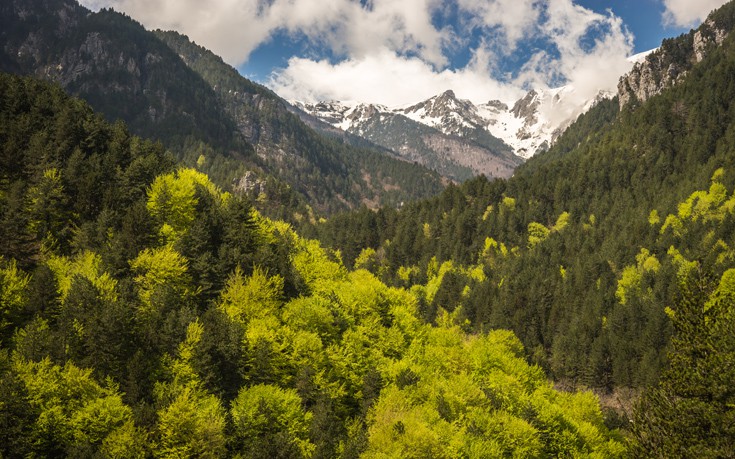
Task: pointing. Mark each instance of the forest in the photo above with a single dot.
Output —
(584, 307)
(147, 313)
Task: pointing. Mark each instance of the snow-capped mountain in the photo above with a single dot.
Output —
(530, 125)
(451, 142)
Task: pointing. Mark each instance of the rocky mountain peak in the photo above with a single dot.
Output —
(496, 105)
(670, 63)
(527, 107)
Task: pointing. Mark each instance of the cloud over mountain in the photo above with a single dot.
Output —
(687, 13)
(395, 52)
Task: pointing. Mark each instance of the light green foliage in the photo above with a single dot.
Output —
(406, 273)
(191, 421)
(630, 282)
(432, 287)
(13, 283)
(432, 268)
(87, 265)
(705, 206)
(488, 212)
(76, 411)
(647, 262)
(458, 396)
(427, 230)
(248, 297)
(653, 218)
(315, 267)
(172, 200)
(312, 314)
(491, 249)
(509, 203)
(537, 233)
(157, 268)
(684, 267)
(191, 426)
(365, 259)
(723, 295)
(268, 418)
(561, 222)
(183, 373)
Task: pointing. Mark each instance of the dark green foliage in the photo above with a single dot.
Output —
(690, 412)
(197, 106)
(608, 171)
(60, 151)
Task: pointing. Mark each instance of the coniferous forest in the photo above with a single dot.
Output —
(583, 308)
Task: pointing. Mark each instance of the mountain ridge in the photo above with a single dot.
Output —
(529, 125)
(455, 156)
(127, 72)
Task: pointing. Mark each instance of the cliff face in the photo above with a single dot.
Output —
(169, 89)
(670, 64)
(112, 62)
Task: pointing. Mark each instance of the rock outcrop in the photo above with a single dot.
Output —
(669, 65)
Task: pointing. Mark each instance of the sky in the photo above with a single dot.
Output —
(397, 52)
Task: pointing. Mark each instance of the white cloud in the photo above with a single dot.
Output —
(392, 51)
(687, 13)
(587, 64)
(234, 28)
(385, 78)
(586, 67)
(513, 19)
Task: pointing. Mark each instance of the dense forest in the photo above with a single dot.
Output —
(588, 246)
(583, 308)
(166, 88)
(147, 313)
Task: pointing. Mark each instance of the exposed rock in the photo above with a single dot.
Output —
(661, 70)
(527, 107)
(249, 183)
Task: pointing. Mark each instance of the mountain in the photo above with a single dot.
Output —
(592, 247)
(167, 88)
(670, 64)
(490, 138)
(450, 153)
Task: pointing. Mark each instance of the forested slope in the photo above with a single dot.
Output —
(207, 114)
(556, 241)
(146, 313)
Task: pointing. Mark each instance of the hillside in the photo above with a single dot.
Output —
(163, 317)
(455, 147)
(128, 73)
(578, 226)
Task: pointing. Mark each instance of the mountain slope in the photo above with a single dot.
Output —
(127, 72)
(157, 316)
(576, 246)
(457, 155)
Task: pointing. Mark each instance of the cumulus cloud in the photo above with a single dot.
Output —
(585, 50)
(511, 19)
(234, 28)
(397, 52)
(686, 13)
(384, 78)
(592, 50)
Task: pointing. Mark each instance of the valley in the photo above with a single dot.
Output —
(193, 266)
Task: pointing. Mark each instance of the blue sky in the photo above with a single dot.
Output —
(396, 52)
(644, 19)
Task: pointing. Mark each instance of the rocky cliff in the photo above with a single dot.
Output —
(670, 64)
